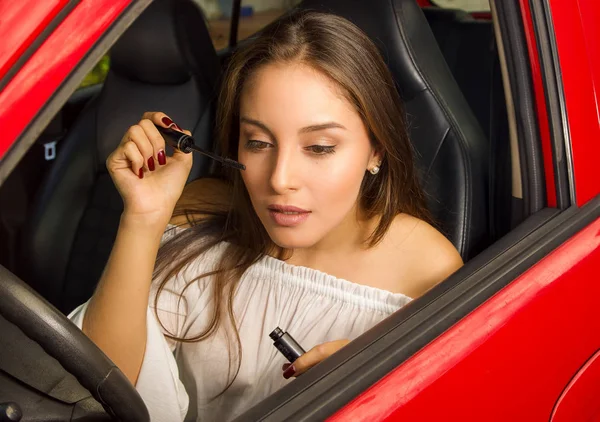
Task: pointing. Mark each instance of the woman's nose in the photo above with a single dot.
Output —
(284, 176)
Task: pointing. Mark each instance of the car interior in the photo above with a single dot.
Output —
(453, 96)
(59, 218)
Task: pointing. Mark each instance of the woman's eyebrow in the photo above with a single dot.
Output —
(258, 124)
(321, 126)
(307, 129)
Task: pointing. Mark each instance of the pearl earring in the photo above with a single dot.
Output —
(374, 170)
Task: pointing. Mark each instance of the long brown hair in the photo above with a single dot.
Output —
(338, 49)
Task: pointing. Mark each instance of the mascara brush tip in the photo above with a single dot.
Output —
(234, 164)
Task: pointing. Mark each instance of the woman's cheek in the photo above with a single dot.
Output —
(255, 175)
(338, 187)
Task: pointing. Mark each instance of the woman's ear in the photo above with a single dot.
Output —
(375, 163)
(376, 158)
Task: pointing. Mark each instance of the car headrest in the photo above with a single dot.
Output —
(400, 30)
(451, 149)
(152, 50)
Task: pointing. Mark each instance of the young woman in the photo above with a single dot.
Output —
(324, 234)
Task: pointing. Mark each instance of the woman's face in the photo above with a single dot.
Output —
(306, 151)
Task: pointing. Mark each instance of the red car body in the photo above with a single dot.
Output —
(530, 352)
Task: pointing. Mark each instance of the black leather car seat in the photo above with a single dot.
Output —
(469, 47)
(156, 65)
(452, 150)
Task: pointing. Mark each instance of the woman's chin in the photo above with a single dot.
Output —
(292, 239)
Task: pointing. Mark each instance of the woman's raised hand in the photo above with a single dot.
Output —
(149, 182)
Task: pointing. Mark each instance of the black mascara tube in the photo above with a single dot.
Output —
(286, 344)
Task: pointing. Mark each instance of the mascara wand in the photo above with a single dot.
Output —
(186, 144)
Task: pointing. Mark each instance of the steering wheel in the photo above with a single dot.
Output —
(61, 339)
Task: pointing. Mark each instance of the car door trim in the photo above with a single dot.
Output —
(555, 103)
(37, 42)
(68, 86)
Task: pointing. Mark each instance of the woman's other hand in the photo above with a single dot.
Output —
(312, 357)
(149, 182)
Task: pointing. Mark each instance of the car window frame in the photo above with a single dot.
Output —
(69, 84)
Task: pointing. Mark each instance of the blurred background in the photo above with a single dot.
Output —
(254, 15)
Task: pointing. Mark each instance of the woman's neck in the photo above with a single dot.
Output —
(344, 241)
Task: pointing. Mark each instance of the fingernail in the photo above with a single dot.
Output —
(162, 159)
(176, 126)
(167, 122)
(289, 372)
(141, 173)
(285, 366)
(151, 163)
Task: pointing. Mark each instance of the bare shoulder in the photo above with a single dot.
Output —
(425, 255)
(208, 194)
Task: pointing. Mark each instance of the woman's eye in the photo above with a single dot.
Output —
(321, 149)
(254, 145)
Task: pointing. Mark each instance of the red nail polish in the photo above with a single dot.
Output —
(176, 126)
(151, 163)
(285, 366)
(162, 159)
(167, 121)
(289, 372)
(141, 173)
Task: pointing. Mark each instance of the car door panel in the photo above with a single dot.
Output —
(579, 400)
(512, 357)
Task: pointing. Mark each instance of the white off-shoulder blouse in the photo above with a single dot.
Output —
(177, 380)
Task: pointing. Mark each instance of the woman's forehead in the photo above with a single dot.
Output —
(295, 92)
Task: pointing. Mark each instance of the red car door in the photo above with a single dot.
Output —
(530, 352)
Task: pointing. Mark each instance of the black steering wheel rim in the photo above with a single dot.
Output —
(66, 343)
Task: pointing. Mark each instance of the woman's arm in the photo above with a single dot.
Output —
(116, 316)
(150, 184)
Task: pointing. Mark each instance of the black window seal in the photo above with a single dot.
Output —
(60, 96)
(555, 103)
(521, 84)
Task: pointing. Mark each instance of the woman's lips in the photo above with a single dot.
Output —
(288, 216)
